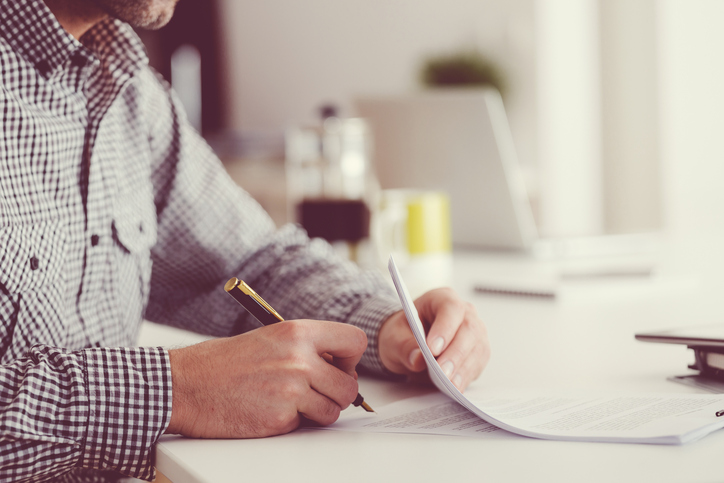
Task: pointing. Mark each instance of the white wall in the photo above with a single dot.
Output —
(568, 100)
(630, 116)
(286, 57)
(691, 57)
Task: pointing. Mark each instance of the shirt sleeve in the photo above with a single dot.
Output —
(209, 230)
(96, 408)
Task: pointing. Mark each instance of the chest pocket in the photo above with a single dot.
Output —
(134, 223)
(31, 255)
(134, 230)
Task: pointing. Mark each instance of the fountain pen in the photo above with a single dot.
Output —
(264, 313)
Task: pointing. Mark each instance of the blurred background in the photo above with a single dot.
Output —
(616, 107)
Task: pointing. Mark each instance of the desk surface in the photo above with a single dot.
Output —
(583, 339)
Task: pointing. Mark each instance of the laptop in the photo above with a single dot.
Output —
(459, 141)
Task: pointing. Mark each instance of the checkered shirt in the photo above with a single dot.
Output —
(102, 178)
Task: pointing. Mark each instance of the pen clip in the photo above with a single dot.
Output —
(247, 290)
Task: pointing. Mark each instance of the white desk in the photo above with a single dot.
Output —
(583, 339)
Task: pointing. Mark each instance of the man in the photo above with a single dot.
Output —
(101, 177)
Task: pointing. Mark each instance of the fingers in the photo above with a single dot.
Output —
(447, 312)
(345, 343)
(465, 357)
(330, 391)
(318, 408)
(456, 336)
(331, 373)
(411, 359)
(329, 381)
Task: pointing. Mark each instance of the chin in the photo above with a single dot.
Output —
(146, 14)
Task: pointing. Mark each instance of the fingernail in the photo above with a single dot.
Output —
(437, 345)
(447, 367)
(457, 380)
(413, 356)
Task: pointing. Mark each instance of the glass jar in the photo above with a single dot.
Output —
(330, 182)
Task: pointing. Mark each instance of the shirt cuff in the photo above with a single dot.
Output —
(369, 317)
(129, 390)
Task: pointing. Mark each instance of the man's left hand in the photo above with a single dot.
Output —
(455, 334)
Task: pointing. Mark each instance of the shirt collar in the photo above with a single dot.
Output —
(32, 31)
(118, 47)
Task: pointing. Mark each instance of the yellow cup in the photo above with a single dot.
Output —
(413, 222)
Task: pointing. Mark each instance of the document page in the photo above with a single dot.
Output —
(430, 414)
(663, 419)
(632, 418)
(637, 418)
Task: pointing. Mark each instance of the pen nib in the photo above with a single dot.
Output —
(367, 407)
(360, 401)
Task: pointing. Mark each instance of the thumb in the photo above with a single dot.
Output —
(398, 348)
(411, 356)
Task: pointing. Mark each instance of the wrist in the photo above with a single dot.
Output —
(370, 316)
(179, 393)
(386, 341)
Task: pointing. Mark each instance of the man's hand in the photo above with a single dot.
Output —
(455, 335)
(260, 383)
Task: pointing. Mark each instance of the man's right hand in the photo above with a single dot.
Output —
(260, 383)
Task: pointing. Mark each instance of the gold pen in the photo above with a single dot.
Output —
(264, 313)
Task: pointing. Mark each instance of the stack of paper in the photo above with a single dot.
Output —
(625, 418)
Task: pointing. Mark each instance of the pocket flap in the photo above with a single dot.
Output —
(134, 225)
(31, 255)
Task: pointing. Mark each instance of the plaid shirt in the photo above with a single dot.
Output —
(102, 178)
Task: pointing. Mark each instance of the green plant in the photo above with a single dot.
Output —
(461, 69)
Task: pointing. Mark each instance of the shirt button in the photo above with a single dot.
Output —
(95, 239)
(34, 263)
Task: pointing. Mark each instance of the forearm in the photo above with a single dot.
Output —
(209, 230)
(96, 408)
(299, 277)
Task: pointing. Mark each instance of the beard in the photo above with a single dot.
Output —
(146, 14)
